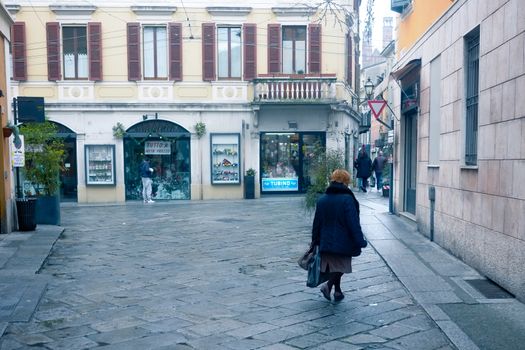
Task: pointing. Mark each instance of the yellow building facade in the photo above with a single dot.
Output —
(206, 92)
(416, 16)
(6, 193)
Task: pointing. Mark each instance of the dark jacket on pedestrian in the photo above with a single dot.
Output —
(379, 164)
(144, 169)
(363, 164)
(336, 228)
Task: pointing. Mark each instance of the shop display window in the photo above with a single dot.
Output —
(225, 156)
(280, 162)
(287, 160)
(100, 164)
(170, 159)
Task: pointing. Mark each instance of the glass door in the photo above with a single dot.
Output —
(309, 145)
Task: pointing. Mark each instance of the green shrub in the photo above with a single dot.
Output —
(322, 163)
(44, 156)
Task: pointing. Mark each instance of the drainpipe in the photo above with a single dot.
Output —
(432, 198)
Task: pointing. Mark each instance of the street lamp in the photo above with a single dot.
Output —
(369, 88)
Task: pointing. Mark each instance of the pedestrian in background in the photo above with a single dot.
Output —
(337, 231)
(146, 173)
(363, 164)
(378, 165)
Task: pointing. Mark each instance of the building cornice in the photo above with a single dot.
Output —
(72, 10)
(296, 11)
(13, 8)
(154, 10)
(144, 106)
(228, 11)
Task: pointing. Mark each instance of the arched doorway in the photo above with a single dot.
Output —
(68, 173)
(167, 145)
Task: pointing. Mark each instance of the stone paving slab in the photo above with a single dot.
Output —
(223, 275)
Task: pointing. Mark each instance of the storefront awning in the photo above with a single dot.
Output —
(400, 73)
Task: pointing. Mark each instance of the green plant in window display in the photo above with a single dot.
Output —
(200, 129)
(250, 172)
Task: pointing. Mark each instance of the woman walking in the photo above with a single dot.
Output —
(337, 231)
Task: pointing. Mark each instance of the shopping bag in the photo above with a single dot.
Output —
(305, 259)
(315, 277)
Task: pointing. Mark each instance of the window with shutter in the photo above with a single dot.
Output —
(175, 42)
(75, 55)
(250, 51)
(208, 51)
(133, 37)
(314, 48)
(294, 49)
(53, 51)
(155, 52)
(19, 51)
(274, 48)
(229, 52)
(95, 51)
(349, 59)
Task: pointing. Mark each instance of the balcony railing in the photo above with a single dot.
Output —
(302, 89)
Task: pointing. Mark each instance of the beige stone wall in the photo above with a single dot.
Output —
(479, 210)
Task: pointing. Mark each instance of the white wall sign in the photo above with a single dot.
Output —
(157, 147)
(18, 156)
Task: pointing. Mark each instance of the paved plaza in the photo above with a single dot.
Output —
(218, 275)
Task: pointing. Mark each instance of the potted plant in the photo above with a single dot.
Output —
(44, 156)
(249, 184)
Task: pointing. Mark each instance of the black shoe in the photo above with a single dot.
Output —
(338, 296)
(326, 291)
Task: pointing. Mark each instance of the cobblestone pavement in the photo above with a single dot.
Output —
(211, 275)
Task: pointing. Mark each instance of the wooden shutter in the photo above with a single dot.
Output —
(208, 51)
(134, 52)
(175, 42)
(314, 48)
(95, 50)
(18, 39)
(54, 71)
(250, 51)
(349, 59)
(274, 48)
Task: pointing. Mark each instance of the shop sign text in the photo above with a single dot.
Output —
(280, 184)
(157, 147)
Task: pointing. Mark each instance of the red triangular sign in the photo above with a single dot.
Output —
(376, 106)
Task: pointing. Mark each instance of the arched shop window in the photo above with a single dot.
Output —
(167, 145)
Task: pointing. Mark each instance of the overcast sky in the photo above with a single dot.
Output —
(381, 9)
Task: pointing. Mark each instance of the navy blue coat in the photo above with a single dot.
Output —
(336, 228)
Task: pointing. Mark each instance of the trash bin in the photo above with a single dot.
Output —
(26, 214)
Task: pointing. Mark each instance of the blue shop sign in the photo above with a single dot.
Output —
(280, 184)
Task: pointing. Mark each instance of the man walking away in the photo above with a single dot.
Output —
(146, 172)
(378, 165)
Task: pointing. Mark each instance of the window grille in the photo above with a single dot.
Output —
(472, 79)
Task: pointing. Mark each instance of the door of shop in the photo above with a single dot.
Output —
(167, 146)
(286, 161)
(410, 161)
(68, 172)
